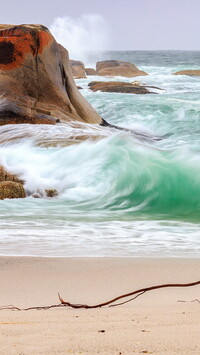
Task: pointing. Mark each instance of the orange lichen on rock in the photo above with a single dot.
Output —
(14, 48)
(16, 43)
(44, 38)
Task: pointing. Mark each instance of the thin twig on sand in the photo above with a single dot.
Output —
(110, 303)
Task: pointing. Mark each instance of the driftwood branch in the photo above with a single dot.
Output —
(110, 303)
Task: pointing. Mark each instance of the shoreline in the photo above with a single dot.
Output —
(163, 321)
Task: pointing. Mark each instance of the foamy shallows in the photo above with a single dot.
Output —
(118, 194)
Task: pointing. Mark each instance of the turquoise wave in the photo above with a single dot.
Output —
(117, 176)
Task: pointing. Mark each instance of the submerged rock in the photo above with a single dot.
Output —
(78, 69)
(188, 72)
(118, 68)
(118, 87)
(41, 193)
(36, 82)
(51, 192)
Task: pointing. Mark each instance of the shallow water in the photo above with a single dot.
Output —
(118, 195)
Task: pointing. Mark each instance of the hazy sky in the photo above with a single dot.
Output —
(128, 24)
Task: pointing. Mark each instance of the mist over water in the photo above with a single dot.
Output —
(118, 195)
(84, 37)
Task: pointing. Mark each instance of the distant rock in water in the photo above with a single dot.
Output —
(118, 68)
(10, 185)
(78, 69)
(119, 87)
(188, 72)
(90, 71)
(36, 82)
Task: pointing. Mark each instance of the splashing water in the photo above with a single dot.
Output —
(117, 195)
(84, 37)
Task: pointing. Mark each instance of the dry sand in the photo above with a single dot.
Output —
(154, 323)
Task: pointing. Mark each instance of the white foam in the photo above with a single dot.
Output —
(84, 37)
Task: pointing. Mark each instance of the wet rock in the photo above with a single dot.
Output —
(118, 87)
(37, 194)
(188, 72)
(11, 189)
(36, 81)
(78, 69)
(41, 193)
(118, 68)
(90, 71)
(51, 192)
(10, 185)
(5, 176)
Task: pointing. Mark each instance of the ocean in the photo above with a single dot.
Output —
(118, 194)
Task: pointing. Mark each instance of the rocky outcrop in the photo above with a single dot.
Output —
(118, 68)
(78, 69)
(119, 87)
(188, 72)
(36, 81)
(10, 185)
(90, 71)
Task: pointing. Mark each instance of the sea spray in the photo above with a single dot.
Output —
(84, 37)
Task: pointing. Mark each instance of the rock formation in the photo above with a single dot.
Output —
(90, 71)
(118, 68)
(10, 185)
(36, 82)
(37, 87)
(188, 72)
(120, 87)
(78, 69)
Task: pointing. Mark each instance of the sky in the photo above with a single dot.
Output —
(117, 24)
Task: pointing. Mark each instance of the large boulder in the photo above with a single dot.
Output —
(188, 72)
(118, 68)
(78, 69)
(36, 82)
(119, 87)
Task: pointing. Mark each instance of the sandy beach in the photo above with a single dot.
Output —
(159, 322)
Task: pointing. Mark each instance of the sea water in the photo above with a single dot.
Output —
(118, 194)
